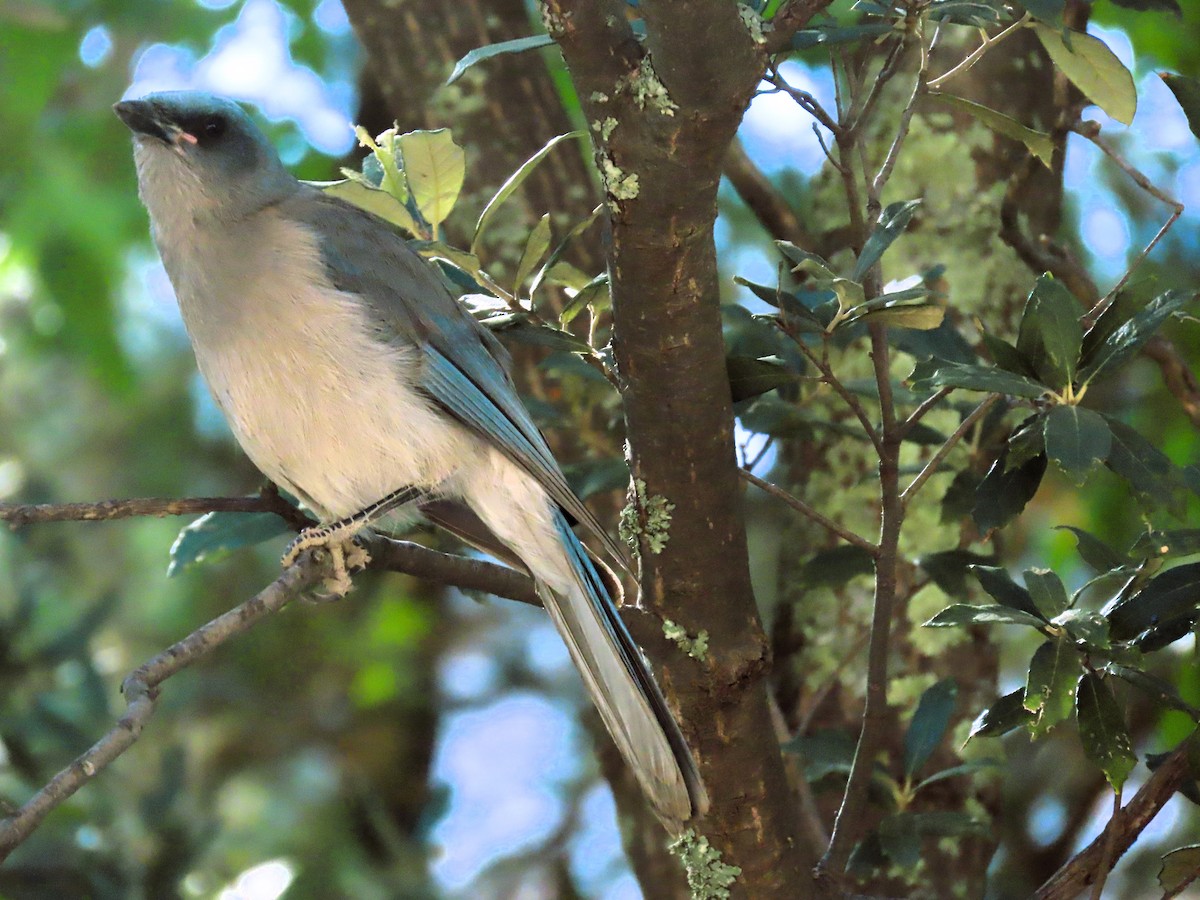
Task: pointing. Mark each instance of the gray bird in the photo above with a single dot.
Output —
(353, 378)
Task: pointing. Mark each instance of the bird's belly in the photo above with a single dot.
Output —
(326, 410)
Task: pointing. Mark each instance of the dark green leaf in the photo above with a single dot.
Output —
(220, 532)
(1152, 5)
(1187, 94)
(925, 317)
(520, 329)
(1133, 334)
(830, 35)
(1123, 308)
(1038, 143)
(1046, 10)
(921, 434)
(551, 269)
(1165, 544)
(1007, 357)
(1166, 600)
(1050, 335)
(867, 856)
(892, 222)
(779, 418)
(976, 378)
(1026, 441)
(535, 248)
(1093, 551)
(835, 567)
(1047, 590)
(594, 290)
(1004, 590)
(928, 725)
(1181, 866)
(750, 377)
(948, 568)
(959, 499)
(1102, 729)
(899, 840)
(943, 342)
(1078, 440)
(1160, 689)
(964, 614)
(964, 12)
(517, 45)
(1003, 493)
(1085, 626)
(1150, 473)
(1001, 717)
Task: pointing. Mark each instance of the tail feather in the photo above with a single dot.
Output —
(622, 688)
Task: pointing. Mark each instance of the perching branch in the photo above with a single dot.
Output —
(1122, 830)
(939, 457)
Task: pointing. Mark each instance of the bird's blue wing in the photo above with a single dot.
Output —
(464, 367)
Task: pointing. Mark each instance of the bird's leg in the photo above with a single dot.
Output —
(338, 538)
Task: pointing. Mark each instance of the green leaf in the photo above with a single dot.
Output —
(964, 614)
(535, 248)
(1187, 94)
(1004, 590)
(521, 330)
(1155, 480)
(978, 378)
(1151, 6)
(1179, 869)
(835, 567)
(554, 270)
(964, 12)
(1166, 600)
(1166, 544)
(824, 752)
(1086, 626)
(381, 203)
(1093, 551)
(1039, 143)
(1050, 335)
(1004, 492)
(1158, 688)
(1046, 10)
(892, 222)
(1047, 591)
(434, 167)
(968, 768)
(1050, 685)
(1133, 334)
(1007, 357)
(929, 724)
(1078, 440)
(218, 533)
(516, 45)
(1001, 717)
(924, 317)
(514, 181)
(831, 35)
(1092, 68)
(1122, 308)
(948, 568)
(591, 293)
(803, 261)
(750, 376)
(1102, 729)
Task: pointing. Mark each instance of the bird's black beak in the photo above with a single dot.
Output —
(141, 118)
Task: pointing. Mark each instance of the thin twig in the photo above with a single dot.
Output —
(876, 187)
(927, 405)
(800, 506)
(850, 400)
(977, 54)
(141, 691)
(1091, 131)
(943, 451)
(805, 101)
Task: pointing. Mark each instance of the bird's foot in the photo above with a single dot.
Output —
(345, 554)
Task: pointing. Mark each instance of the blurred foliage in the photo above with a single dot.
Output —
(308, 739)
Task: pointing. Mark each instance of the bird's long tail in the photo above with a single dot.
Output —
(622, 688)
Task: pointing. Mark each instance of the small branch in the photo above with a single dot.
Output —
(408, 558)
(806, 101)
(977, 54)
(1122, 830)
(1091, 131)
(804, 509)
(1106, 860)
(764, 200)
(792, 16)
(141, 693)
(106, 510)
(875, 190)
(935, 463)
(927, 405)
(851, 401)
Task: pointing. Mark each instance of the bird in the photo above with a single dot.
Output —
(352, 377)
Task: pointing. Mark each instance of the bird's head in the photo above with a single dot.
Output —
(202, 154)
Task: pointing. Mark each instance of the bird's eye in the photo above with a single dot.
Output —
(214, 127)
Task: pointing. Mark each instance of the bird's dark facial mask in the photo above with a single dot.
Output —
(143, 119)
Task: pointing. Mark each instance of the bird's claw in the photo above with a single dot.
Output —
(345, 553)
